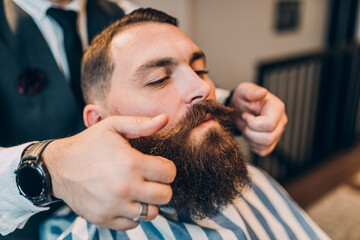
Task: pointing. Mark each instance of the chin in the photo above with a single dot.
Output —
(198, 133)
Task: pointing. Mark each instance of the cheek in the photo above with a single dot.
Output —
(146, 105)
(172, 108)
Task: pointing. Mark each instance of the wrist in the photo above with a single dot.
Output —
(51, 157)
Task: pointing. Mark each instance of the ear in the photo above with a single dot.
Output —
(93, 113)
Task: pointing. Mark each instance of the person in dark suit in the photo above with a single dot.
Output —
(40, 99)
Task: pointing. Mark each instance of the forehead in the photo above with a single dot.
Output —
(139, 43)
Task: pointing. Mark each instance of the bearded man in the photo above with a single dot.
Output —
(143, 65)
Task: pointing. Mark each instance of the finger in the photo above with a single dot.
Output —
(119, 223)
(250, 92)
(158, 169)
(274, 109)
(254, 107)
(153, 193)
(126, 214)
(135, 127)
(263, 123)
(134, 211)
(262, 150)
(153, 212)
(263, 138)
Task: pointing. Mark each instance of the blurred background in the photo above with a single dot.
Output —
(307, 53)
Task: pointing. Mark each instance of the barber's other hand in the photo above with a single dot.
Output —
(260, 116)
(103, 179)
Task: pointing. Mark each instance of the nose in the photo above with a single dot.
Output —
(196, 88)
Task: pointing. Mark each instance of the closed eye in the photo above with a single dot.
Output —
(201, 72)
(159, 82)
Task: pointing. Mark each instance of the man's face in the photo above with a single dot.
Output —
(158, 69)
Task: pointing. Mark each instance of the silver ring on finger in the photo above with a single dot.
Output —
(142, 213)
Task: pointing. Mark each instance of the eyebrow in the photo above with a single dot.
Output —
(197, 55)
(155, 63)
(165, 62)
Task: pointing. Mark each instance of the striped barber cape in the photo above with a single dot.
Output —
(264, 211)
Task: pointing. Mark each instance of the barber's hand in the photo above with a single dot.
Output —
(103, 179)
(260, 117)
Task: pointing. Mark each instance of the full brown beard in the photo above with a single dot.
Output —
(210, 173)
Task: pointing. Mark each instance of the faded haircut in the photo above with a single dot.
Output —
(97, 65)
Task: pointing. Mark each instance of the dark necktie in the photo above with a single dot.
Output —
(73, 48)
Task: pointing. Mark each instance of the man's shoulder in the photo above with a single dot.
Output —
(262, 183)
(257, 174)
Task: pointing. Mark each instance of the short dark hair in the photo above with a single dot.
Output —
(97, 65)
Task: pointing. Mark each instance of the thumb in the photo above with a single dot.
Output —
(251, 92)
(248, 118)
(135, 127)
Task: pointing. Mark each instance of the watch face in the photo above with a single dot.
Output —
(30, 181)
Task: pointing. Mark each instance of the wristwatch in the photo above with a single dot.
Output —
(32, 177)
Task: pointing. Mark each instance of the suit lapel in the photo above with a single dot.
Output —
(27, 42)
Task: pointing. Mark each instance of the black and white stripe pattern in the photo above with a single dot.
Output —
(265, 211)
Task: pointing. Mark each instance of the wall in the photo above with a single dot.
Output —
(236, 34)
(183, 10)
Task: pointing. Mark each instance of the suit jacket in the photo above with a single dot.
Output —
(53, 112)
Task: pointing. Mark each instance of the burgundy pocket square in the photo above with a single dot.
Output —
(30, 82)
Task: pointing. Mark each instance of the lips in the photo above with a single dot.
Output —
(207, 118)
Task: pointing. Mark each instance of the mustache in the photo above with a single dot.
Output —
(200, 111)
(179, 135)
(182, 130)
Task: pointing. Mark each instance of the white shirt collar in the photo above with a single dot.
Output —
(38, 8)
